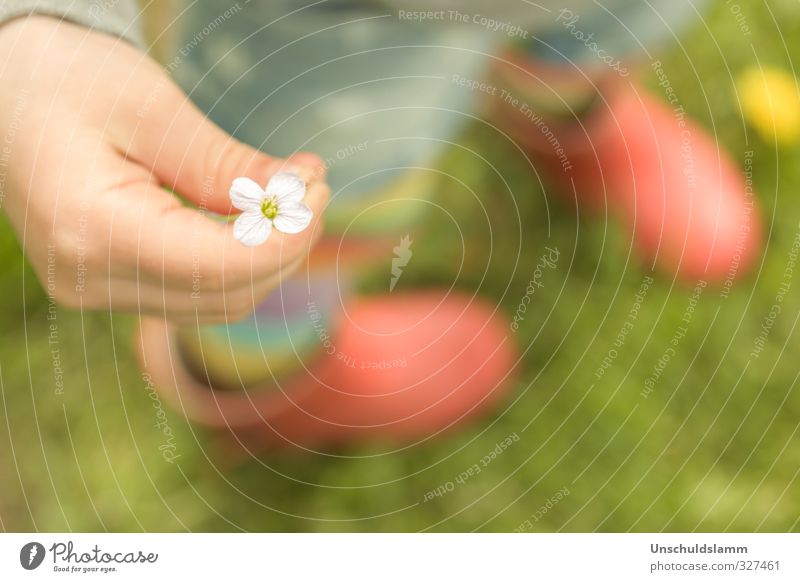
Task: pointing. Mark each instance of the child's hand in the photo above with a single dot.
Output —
(93, 131)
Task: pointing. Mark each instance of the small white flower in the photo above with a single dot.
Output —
(279, 204)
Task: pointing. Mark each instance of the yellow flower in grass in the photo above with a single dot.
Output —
(771, 103)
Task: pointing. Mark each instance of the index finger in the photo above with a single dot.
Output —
(185, 248)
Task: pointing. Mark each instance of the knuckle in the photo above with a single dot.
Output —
(228, 158)
(214, 164)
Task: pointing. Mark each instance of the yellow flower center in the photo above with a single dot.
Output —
(269, 208)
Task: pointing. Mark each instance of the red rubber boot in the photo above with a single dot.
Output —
(686, 202)
(401, 368)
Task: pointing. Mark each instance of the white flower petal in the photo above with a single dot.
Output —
(293, 218)
(286, 187)
(252, 228)
(246, 194)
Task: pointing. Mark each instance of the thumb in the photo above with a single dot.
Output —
(192, 156)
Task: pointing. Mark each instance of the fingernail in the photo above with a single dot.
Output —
(306, 173)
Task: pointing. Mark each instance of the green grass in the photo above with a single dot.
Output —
(713, 447)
